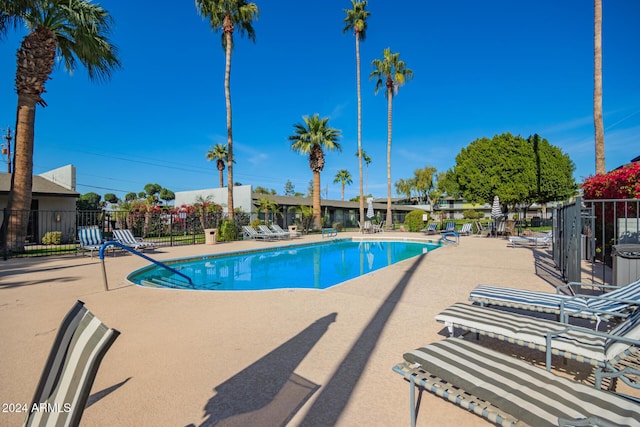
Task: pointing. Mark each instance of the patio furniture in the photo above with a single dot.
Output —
(605, 351)
(251, 233)
(79, 347)
(126, 238)
(432, 228)
(90, 239)
(508, 391)
(329, 232)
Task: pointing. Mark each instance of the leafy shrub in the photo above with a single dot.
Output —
(413, 220)
(52, 238)
(337, 226)
(471, 214)
(256, 222)
(228, 232)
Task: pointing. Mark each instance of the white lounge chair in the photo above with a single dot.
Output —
(251, 233)
(466, 229)
(542, 240)
(275, 234)
(126, 238)
(276, 228)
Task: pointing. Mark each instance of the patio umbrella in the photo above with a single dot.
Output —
(496, 212)
(370, 213)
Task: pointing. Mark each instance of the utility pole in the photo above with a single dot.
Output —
(6, 149)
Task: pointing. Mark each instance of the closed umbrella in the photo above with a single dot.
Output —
(496, 212)
(370, 213)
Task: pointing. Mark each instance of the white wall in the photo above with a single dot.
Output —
(64, 176)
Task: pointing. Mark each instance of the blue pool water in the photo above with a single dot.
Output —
(313, 266)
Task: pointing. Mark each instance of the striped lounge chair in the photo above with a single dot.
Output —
(90, 239)
(79, 347)
(508, 391)
(614, 305)
(601, 350)
(126, 238)
(432, 228)
(251, 233)
(466, 229)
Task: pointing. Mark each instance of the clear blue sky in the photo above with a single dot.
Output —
(481, 68)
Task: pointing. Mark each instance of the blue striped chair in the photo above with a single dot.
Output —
(90, 239)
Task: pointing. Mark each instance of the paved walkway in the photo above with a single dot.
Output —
(309, 358)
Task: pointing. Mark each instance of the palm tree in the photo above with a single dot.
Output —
(391, 72)
(72, 30)
(225, 15)
(344, 178)
(311, 137)
(597, 88)
(356, 20)
(367, 161)
(219, 153)
(265, 205)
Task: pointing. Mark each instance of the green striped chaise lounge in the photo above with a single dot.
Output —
(614, 305)
(604, 351)
(80, 344)
(508, 391)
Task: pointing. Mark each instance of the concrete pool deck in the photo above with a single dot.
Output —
(302, 357)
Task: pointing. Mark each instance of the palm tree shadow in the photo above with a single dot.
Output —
(330, 403)
(268, 392)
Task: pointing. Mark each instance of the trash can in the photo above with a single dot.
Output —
(626, 264)
(210, 235)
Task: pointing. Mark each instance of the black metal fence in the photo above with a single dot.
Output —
(55, 232)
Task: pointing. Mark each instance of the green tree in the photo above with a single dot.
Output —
(265, 205)
(344, 178)
(390, 72)
(130, 197)
(152, 191)
(219, 153)
(263, 190)
(72, 31)
(356, 21)
(514, 169)
(311, 138)
(227, 15)
(89, 202)
(167, 195)
(111, 198)
(289, 188)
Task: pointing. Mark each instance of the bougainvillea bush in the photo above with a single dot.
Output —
(620, 184)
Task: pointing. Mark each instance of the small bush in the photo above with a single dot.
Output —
(228, 232)
(337, 226)
(413, 220)
(471, 214)
(256, 222)
(52, 238)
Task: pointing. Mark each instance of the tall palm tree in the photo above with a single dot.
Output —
(391, 72)
(344, 178)
(367, 161)
(356, 20)
(219, 153)
(73, 30)
(225, 15)
(312, 137)
(597, 87)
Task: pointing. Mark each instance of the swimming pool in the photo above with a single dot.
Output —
(311, 266)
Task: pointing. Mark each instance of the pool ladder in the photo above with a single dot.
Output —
(140, 254)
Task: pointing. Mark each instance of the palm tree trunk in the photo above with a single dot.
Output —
(317, 221)
(597, 88)
(343, 191)
(19, 203)
(389, 219)
(227, 95)
(359, 126)
(221, 178)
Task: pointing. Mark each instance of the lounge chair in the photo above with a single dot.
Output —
(378, 228)
(542, 240)
(614, 305)
(251, 233)
(90, 239)
(126, 238)
(274, 234)
(276, 228)
(432, 228)
(466, 229)
(451, 226)
(80, 344)
(602, 350)
(508, 391)
(482, 229)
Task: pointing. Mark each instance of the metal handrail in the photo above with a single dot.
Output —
(135, 252)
